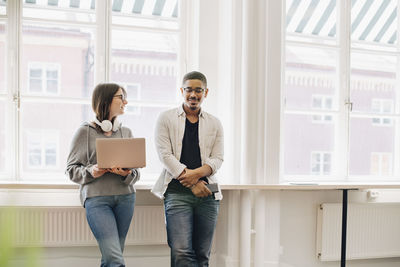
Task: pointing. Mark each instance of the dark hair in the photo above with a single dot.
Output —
(102, 97)
(195, 75)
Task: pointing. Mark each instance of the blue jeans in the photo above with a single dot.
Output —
(109, 218)
(191, 223)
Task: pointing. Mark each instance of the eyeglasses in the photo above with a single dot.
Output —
(122, 97)
(197, 90)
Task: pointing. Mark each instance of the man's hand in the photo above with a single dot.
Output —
(200, 189)
(189, 177)
(97, 172)
(120, 171)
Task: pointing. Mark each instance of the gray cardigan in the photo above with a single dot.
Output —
(82, 158)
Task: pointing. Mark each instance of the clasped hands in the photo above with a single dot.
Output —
(190, 178)
(97, 172)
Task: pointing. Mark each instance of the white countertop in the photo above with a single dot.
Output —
(283, 186)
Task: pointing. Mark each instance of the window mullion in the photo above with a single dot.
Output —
(103, 41)
(13, 146)
(396, 156)
(343, 127)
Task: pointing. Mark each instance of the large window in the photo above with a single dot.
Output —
(144, 59)
(66, 48)
(348, 71)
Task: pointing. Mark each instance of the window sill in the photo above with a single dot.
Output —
(23, 194)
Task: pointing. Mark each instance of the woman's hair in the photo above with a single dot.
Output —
(102, 97)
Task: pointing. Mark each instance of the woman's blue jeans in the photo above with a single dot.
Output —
(109, 218)
(191, 223)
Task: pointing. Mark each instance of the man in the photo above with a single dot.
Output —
(189, 142)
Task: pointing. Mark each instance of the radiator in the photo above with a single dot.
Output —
(67, 226)
(373, 231)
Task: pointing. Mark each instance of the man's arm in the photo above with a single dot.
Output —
(164, 147)
(217, 152)
(190, 177)
(211, 164)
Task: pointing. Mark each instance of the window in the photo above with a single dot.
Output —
(44, 78)
(320, 102)
(320, 163)
(42, 149)
(381, 164)
(348, 72)
(133, 91)
(146, 61)
(3, 7)
(66, 48)
(382, 106)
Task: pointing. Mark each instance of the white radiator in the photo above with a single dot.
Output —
(67, 226)
(373, 231)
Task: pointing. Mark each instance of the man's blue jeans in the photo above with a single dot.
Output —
(109, 218)
(191, 223)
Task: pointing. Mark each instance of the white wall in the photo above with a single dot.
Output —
(298, 228)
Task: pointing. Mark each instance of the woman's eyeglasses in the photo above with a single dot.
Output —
(122, 97)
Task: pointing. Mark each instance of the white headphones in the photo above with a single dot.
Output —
(107, 125)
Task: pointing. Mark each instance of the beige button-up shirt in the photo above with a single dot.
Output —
(169, 133)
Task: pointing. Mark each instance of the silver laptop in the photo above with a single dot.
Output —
(121, 152)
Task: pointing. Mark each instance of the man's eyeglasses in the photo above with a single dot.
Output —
(197, 90)
(122, 97)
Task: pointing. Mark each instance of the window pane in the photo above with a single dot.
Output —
(143, 126)
(147, 13)
(52, 87)
(309, 82)
(65, 57)
(54, 131)
(367, 139)
(374, 22)
(373, 83)
(148, 60)
(3, 72)
(311, 21)
(302, 138)
(3, 7)
(81, 10)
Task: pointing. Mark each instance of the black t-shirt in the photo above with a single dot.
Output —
(190, 155)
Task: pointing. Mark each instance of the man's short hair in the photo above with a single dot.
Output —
(195, 75)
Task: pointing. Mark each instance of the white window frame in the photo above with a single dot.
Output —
(102, 27)
(44, 66)
(45, 135)
(344, 112)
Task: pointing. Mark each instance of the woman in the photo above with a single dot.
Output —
(108, 195)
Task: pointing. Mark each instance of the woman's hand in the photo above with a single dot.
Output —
(120, 171)
(97, 172)
(200, 189)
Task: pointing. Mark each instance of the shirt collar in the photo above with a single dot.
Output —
(181, 111)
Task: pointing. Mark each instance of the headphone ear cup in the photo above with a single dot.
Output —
(116, 125)
(106, 125)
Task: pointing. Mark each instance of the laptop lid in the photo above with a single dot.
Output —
(121, 152)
